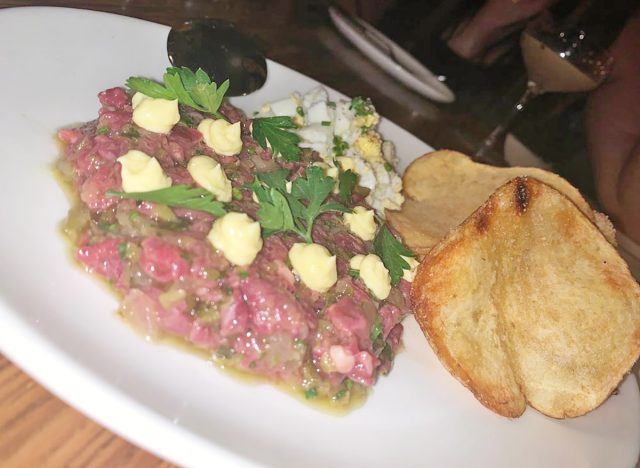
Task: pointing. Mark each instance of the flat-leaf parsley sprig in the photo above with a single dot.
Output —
(272, 131)
(195, 90)
(391, 250)
(281, 211)
(178, 196)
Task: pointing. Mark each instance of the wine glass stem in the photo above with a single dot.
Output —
(488, 146)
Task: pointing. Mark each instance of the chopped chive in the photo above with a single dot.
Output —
(103, 130)
(376, 331)
(311, 393)
(340, 394)
(122, 250)
(300, 111)
(131, 132)
(325, 123)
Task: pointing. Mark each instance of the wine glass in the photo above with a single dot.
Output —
(557, 60)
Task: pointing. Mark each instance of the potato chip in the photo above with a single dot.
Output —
(527, 301)
(444, 187)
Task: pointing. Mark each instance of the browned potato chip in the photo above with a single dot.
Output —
(444, 187)
(527, 301)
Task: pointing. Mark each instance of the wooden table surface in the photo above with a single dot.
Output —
(36, 428)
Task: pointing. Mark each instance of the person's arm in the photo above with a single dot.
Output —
(613, 133)
(494, 20)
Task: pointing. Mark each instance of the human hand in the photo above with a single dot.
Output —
(495, 20)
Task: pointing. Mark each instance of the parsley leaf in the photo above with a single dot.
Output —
(272, 131)
(281, 211)
(391, 251)
(347, 181)
(191, 89)
(178, 196)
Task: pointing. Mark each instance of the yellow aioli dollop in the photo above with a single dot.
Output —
(410, 274)
(373, 273)
(221, 136)
(155, 115)
(315, 265)
(141, 173)
(237, 236)
(208, 174)
(361, 222)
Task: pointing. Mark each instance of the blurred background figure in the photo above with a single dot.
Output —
(481, 39)
(613, 133)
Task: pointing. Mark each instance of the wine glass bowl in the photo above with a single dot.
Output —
(563, 60)
(557, 60)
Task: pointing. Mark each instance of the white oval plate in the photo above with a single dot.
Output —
(391, 57)
(58, 324)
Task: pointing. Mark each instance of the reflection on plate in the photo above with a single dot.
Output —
(59, 324)
(391, 57)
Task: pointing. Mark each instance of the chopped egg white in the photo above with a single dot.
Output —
(318, 113)
(208, 174)
(336, 133)
(315, 265)
(141, 173)
(221, 136)
(374, 274)
(237, 237)
(155, 115)
(410, 274)
(286, 107)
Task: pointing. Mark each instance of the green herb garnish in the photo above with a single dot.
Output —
(122, 250)
(236, 193)
(179, 196)
(339, 394)
(339, 146)
(347, 181)
(300, 111)
(103, 130)
(391, 251)
(326, 123)
(281, 211)
(376, 331)
(272, 131)
(311, 393)
(361, 106)
(131, 132)
(195, 90)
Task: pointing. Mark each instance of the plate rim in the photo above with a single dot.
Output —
(444, 95)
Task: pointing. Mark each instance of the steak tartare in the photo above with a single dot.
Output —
(258, 316)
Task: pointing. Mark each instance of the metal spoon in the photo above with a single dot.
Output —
(222, 51)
